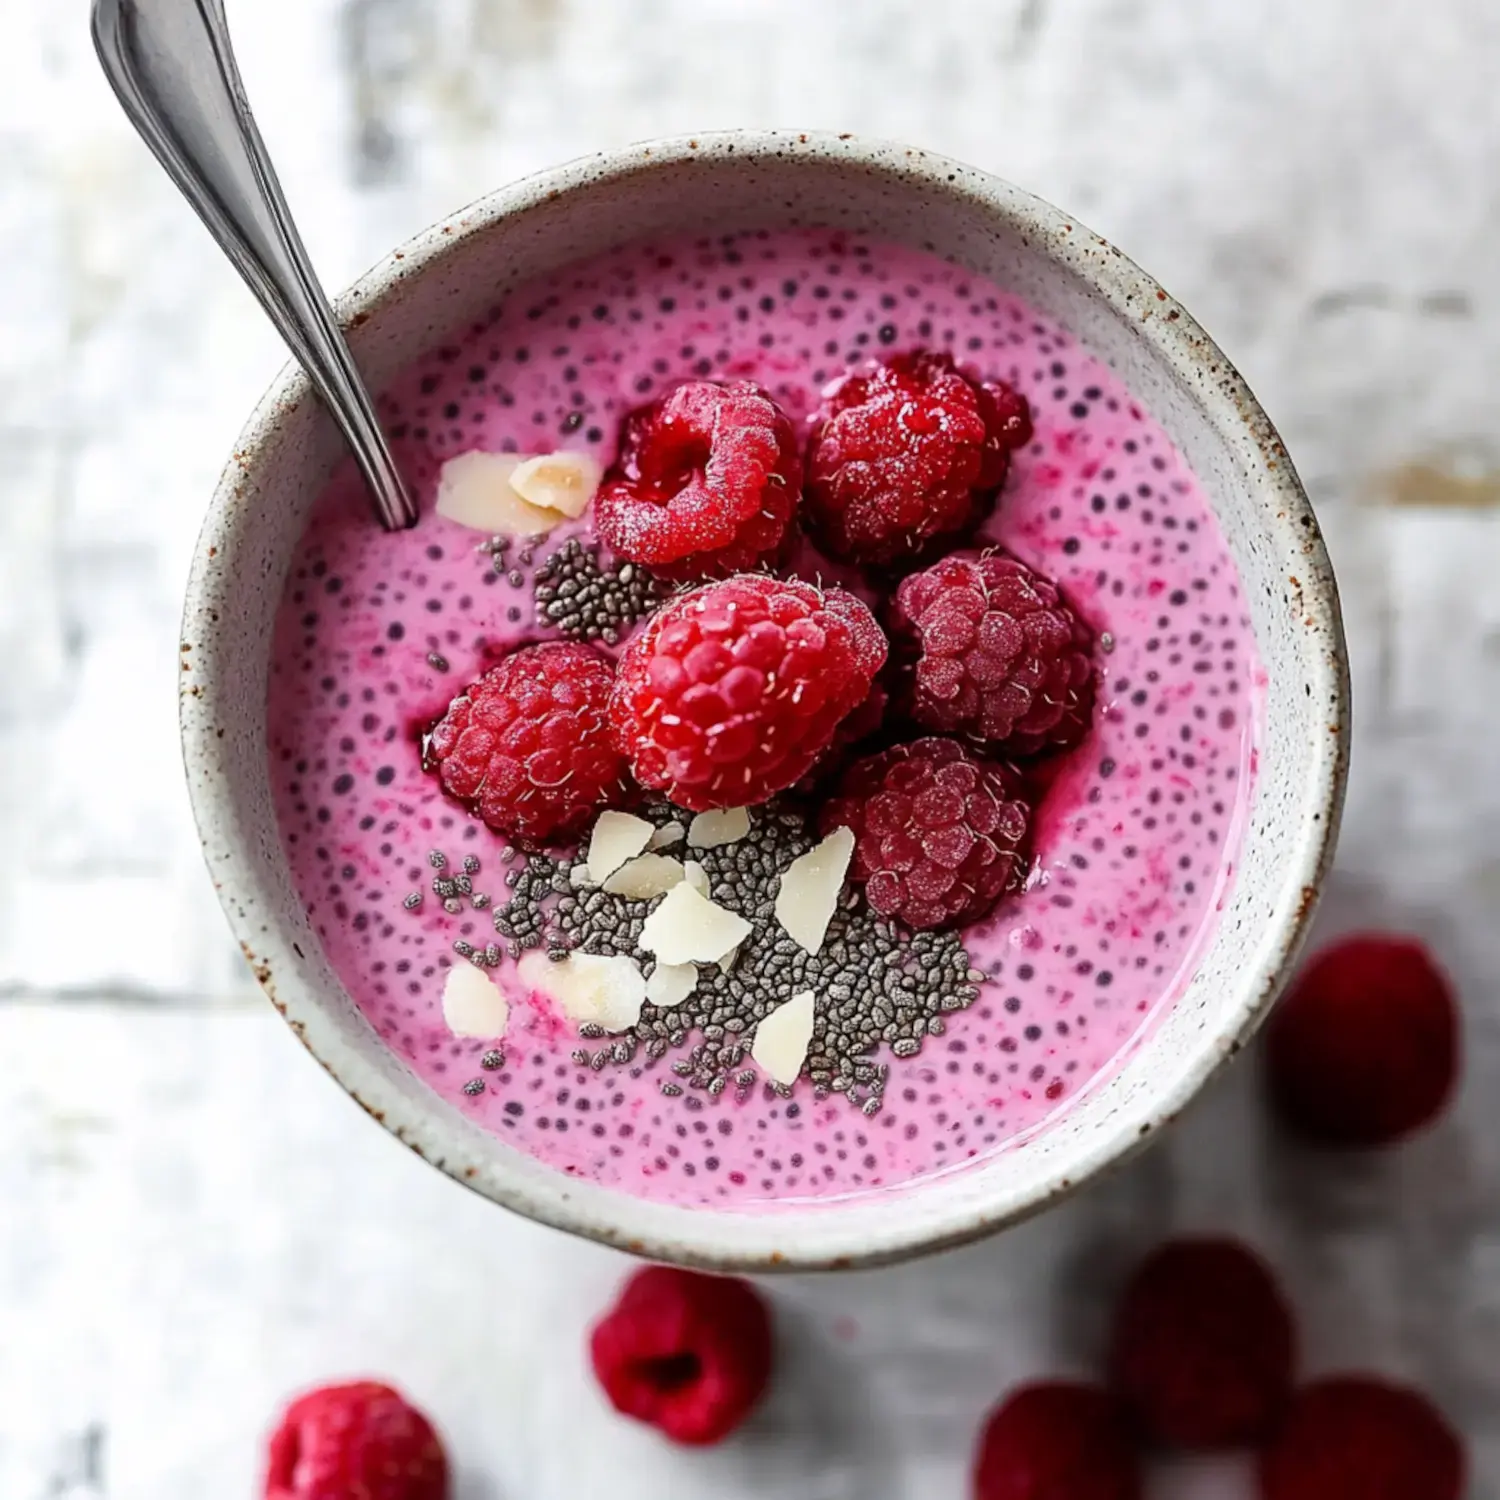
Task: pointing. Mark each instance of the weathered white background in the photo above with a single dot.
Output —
(193, 1220)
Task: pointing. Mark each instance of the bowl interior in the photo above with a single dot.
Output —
(454, 274)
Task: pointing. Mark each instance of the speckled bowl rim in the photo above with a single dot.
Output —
(1231, 409)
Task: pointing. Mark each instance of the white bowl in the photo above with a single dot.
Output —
(448, 276)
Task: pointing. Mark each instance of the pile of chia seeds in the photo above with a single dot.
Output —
(875, 984)
(586, 601)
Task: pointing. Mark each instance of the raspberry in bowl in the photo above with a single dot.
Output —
(834, 764)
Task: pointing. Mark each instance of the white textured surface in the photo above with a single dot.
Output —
(194, 1221)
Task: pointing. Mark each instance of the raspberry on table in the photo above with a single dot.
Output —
(731, 692)
(360, 1439)
(1056, 1441)
(994, 654)
(683, 1352)
(905, 451)
(528, 746)
(1365, 1047)
(939, 831)
(1354, 1437)
(1203, 1347)
(706, 483)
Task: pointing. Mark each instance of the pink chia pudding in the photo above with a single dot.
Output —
(968, 986)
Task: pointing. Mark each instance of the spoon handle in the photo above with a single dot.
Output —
(172, 67)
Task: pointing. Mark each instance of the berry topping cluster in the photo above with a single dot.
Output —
(754, 680)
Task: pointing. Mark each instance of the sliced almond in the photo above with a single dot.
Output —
(667, 835)
(671, 984)
(608, 992)
(780, 1045)
(689, 928)
(645, 876)
(562, 482)
(474, 489)
(473, 1004)
(616, 837)
(697, 877)
(810, 886)
(726, 825)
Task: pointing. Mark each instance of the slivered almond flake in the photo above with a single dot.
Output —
(616, 837)
(671, 984)
(645, 876)
(781, 1039)
(473, 1005)
(727, 825)
(810, 886)
(562, 482)
(689, 928)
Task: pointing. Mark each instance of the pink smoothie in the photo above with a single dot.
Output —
(1136, 844)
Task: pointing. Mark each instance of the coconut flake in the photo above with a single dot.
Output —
(561, 482)
(671, 984)
(473, 1004)
(781, 1040)
(580, 879)
(810, 886)
(665, 836)
(645, 876)
(697, 877)
(616, 837)
(689, 928)
(607, 991)
(474, 489)
(725, 826)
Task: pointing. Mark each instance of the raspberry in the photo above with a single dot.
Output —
(1203, 1345)
(996, 655)
(905, 451)
(732, 691)
(528, 746)
(938, 831)
(1056, 1441)
(684, 1352)
(362, 1439)
(1364, 1048)
(706, 482)
(1352, 1437)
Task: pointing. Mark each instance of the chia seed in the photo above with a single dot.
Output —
(474, 1087)
(493, 1060)
(589, 602)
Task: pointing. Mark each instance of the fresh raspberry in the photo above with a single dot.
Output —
(1203, 1345)
(1364, 1049)
(905, 451)
(684, 1352)
(1056, 1441)
(1352, 1437)
(732, 691)
(995, 654)
(528, 746)
(706, 482)
(361, 1439)
(939, 831)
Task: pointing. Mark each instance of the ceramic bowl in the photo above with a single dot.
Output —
(447, 277)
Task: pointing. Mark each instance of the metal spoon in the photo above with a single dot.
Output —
(171, 66)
